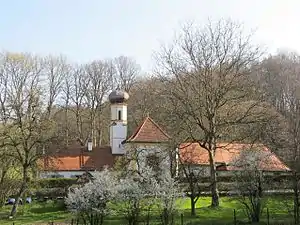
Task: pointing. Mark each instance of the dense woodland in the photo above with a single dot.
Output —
(211, 84)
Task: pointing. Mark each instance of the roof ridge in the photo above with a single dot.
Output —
(159, 127)
(138, 129)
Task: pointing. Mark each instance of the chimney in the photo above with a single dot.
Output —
(90, 145)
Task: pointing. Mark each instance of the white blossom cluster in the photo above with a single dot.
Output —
(94, 195)
(127, 196)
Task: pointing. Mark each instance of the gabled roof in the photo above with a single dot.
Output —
(75, 159)
(149, 132)
(226, 153)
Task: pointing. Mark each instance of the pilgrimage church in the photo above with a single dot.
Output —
(151, 141)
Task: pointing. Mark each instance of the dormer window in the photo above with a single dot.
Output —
(119, 115)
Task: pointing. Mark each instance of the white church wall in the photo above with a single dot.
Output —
(114, 110)
(119, 131)
(117, 147)
(118, 127)
(142, 150)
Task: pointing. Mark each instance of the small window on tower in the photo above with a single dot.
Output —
(119, 115)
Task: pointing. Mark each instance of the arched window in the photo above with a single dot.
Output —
(119, 115)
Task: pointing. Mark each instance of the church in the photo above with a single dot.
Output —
(151, 143)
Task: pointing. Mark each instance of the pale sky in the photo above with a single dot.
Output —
(85, 30)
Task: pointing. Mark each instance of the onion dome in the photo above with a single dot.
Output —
(118, 96)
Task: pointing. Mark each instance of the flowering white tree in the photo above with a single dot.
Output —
(130, 197)
(89, 202)
(168, 193)
(150, 184)
(135, 194)
(128, 201)
(250, 182)
(143, 191)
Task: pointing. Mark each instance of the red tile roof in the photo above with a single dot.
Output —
(74, 159)
(149, 132)
(226, 153)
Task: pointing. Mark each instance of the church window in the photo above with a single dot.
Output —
(119, 115)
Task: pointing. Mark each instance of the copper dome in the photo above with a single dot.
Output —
(118, 96)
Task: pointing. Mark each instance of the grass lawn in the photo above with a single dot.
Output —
(36, 213)
(42, 213)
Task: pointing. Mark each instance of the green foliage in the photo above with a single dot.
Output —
(51, 193)
(8, 187)
(36, 213)
(51, 187)
(43, 213)
(54, 182)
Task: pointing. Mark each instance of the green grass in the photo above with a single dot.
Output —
(42, 213)
(36, 213)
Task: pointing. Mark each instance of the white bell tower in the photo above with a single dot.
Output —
(118, 126)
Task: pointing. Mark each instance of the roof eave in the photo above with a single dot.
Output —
(146, 142)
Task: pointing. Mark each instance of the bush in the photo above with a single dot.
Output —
(8, 187)
(51, 193)
(54, 183)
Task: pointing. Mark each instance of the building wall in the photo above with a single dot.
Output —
(204, 170)
(142, 150)
(118, 127)
(65, 174)
(118, 132)
(114, 112)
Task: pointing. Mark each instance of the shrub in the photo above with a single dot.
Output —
(9, 187)
(51, 193)
(89, 202)
(54, 183)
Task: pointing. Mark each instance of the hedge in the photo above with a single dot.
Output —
(54, 183)
(275, 178)
(51, 193)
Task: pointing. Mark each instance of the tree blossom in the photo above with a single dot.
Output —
(90, 201)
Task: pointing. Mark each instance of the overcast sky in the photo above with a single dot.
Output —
(84, 30)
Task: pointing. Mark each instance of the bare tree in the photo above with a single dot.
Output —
(26, 129)
(79, 86)
(147, 99)
(55, 70)
(280, 77)
(5, 160)
(66, 96)
(206, 72)
(100, 76)
(126, 70)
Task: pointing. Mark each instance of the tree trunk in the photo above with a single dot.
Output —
(2, 183)
(255, 218)
(93, 136)
(193, 206)
(78, 124)
(99, 127)
(192, 197)
(296, 198)
(99, 136)
(20, 193)
(67, 125)
(213, 179)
